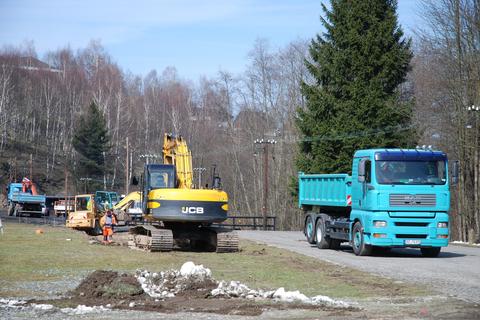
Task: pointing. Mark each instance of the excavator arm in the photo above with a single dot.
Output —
(133, 196)
(176, 152)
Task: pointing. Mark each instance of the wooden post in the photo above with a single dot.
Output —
(66, 188)
(31, 167)
(127, 171)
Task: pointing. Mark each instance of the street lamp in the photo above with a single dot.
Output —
(86, 180)
(148, 156)
(199, 171)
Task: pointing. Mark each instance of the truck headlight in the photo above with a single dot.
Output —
(379, 224)
(442, 225)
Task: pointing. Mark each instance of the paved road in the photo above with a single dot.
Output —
(455, 272)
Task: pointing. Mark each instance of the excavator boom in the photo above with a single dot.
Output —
(176, 152)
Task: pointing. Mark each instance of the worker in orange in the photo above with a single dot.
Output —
(108, 221)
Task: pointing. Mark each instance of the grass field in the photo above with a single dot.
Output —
(60, 253)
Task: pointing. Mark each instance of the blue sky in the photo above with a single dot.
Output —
(198, 37)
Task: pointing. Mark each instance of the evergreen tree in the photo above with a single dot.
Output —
(91, 141)
(354, 103)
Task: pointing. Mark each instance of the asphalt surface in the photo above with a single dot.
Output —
(455, 272)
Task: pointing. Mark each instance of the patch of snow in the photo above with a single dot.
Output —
(11, 303)
(82, 309)
(167, 284)
(191, 269)
(235, 289)
(42, 306)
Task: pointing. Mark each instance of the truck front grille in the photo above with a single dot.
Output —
(413, 200)
(411, 224)
(411, 236)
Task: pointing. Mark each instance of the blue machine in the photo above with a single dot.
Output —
(394, 198)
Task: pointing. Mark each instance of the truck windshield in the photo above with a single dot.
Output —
(411, 172)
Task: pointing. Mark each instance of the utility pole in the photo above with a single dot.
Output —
(265, 143)
(31, 166)
(66, 188)
(199, 172)
(127, 171)
(15, 170)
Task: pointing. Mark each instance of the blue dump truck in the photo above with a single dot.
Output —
(23, 201)
(394, 198)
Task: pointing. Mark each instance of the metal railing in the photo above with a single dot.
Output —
(249, 223)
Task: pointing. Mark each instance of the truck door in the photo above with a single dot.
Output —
(361, 183)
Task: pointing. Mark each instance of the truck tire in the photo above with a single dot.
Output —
(11, 209)
(16, 210)
(323, 241)
(335, 244)
(310, 229)
(430, 252)
(358, 241)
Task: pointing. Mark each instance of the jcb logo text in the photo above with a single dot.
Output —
(192, 210)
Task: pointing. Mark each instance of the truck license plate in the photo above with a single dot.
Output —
(413, 241)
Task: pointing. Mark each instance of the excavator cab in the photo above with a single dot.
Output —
(157, 176)
(160, 176)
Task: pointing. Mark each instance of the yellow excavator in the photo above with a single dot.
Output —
(181, 215)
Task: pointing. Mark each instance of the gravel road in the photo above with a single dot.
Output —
(455, 272)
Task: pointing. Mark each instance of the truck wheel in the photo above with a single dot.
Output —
(335, 244)
(310, 229)
(430, 252)
(323, 242)
(11, 209)
(358, 243)
(16, 211)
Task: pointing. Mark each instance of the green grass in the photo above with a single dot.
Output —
(27, 256)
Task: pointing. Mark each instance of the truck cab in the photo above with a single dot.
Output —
(400, 198)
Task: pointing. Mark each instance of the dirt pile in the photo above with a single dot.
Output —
(109, 285)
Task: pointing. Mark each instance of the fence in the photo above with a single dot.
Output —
(249, 223)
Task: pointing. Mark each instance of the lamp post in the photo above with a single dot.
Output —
(148, 156)
(85, 180)
(199, 171)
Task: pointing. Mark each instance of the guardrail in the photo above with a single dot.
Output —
(249, 223)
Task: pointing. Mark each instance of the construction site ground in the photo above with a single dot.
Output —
(56, 273)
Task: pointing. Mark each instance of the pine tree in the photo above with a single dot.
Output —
(358, 65)
(91, 141)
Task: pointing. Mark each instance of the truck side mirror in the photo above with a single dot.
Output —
(361, 171)
(455, 171)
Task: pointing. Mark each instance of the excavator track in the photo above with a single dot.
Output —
(227, 241)
(151, 239)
